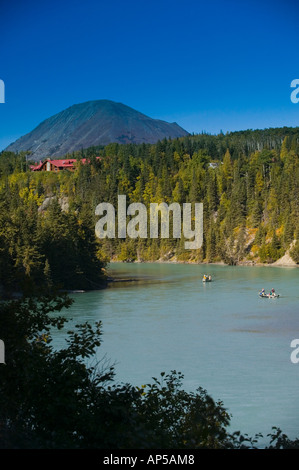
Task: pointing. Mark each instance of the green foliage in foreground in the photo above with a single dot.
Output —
(53, 399)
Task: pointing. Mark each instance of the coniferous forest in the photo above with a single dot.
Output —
(248, 183)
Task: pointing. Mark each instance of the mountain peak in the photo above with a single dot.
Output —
(92, 123)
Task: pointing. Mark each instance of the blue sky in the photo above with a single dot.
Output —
(209, 66)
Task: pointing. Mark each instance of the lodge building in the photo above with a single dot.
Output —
(58, 165)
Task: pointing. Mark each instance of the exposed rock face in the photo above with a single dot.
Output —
(286, 259)
(93, 123)
(62, 201)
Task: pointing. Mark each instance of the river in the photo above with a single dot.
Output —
(220, 335)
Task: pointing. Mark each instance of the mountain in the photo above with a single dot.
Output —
(93, 123)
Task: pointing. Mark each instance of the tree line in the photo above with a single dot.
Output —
(247, 181)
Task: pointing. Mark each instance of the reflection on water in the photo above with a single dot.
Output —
(221, 335)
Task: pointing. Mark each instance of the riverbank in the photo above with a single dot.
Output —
(174, 256)
(285, 261)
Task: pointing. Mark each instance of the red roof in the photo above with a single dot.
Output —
(62, 163)
(36, 167)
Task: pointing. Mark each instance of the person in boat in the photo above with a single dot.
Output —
(204, 277)
(272, 292)
(262, 292)
(210, 277)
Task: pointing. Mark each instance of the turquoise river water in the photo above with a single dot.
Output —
(220, 335)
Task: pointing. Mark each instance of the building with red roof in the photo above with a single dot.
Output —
(58, 165)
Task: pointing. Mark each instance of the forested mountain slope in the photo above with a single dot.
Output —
(248, 183)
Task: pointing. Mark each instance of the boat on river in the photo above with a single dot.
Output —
(207, 278)
(268, 296)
